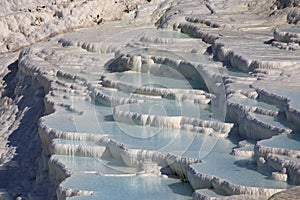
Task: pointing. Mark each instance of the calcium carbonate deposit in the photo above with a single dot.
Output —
(156, 99)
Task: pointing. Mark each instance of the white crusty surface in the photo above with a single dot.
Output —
(60, 59)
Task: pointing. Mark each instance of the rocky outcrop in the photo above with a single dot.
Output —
(292, 193)
(37, 20)
(199, 180)
(288, 3)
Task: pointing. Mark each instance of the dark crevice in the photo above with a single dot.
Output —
(22, 170)
(10, 81)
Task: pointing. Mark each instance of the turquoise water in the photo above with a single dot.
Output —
(270, 120)
(286, 141)
(233, 72)
(292, 30)
(168, 108)
(149, 80)
(105, 176)
(110, 178)
(108, 166)
(235, 170)
(130, 187)
(254, 102)
(290, 91)
(166, 34)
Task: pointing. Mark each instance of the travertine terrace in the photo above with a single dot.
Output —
(149, 99)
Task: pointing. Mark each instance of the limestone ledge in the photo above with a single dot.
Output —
(223, 49)
(284, 102)
(293, 115)
(271, 98)
(244, 149)
(131, 158)
(254, 128)
(169, 66)
(236, 111)
(199, 180)
(58, 172)
(197, 96)
(47, 135)
(283, 35)
(135, 157)
(77, 150)
(206, 34)
(285, 165)
(262, 151)
(177, 122)
(170, 21)
(36, 69)
(158, 40)
(207, 22)
(111, 100)
(207, 74)
(227, 53)
(197, 195)
(283, 161)
(91, 46)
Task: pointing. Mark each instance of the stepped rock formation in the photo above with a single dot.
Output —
(149, 99)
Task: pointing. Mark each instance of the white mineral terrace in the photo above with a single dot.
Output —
(161, 99)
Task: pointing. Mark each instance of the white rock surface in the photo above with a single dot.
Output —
(38, 20)
(48, 91)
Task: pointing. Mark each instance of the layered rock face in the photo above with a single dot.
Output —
(291, 7)
(28, 21)
(289, 3)
(174, 99)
